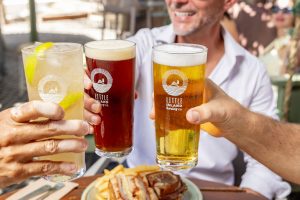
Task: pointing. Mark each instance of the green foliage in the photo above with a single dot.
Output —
(296, 9)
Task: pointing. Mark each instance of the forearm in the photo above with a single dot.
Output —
(273, 143)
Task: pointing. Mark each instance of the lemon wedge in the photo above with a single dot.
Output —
(211, 129)
(31, 60)
(71, 99)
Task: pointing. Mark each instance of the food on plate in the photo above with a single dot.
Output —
(139, 183)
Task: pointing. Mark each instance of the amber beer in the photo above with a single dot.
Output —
(179, 73)
(111, 65)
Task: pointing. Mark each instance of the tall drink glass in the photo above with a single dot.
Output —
(111, 65)
(54, 73)
(179, 73)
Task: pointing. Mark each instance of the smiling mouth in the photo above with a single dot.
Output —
(183, 14)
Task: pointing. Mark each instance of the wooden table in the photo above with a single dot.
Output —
(207, 195)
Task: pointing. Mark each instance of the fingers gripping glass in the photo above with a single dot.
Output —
(286, 10)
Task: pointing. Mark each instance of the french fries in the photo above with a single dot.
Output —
(101, 185)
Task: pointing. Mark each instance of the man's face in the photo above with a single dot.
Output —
(189, 16)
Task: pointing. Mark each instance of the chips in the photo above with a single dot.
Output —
(101, 185)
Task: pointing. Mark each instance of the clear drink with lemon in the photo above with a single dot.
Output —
(54, 73)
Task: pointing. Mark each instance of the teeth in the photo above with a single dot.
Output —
(183, 14)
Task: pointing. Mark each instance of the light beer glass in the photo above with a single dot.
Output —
(179, 73)
(111, 67)
(54, 73)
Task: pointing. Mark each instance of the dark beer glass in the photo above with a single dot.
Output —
(111, 67)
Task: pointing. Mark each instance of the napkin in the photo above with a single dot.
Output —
(39, 183)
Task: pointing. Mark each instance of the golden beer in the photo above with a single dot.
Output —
(179, 73)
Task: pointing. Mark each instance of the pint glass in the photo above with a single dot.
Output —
(179, 73)
(54, 73)
(111, 65)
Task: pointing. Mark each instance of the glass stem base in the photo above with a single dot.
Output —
(64, 178)
(175, 165)
(115, 154)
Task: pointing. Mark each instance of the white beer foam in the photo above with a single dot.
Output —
(182, 55)
(111, 50)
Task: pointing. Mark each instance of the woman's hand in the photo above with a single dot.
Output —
(21, 140)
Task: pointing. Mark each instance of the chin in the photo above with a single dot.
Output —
(183, 31)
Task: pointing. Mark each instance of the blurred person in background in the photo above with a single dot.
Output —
(275, 55)
(234, 69)
(253, 21)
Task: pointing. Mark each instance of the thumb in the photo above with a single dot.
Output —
(206, 115)
(207, 112)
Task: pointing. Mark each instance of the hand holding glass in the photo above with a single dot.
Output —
(54, 73)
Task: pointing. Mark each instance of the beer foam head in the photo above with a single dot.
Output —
(181, 55)
(111, 50)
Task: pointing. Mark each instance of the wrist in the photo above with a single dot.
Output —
(241, 122)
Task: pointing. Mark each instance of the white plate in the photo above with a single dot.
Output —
(193, 193)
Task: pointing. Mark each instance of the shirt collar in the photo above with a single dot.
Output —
(233, 55)
(167, 35)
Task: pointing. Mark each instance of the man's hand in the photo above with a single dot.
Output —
(219, 115)
(92, 106)
(22, 140)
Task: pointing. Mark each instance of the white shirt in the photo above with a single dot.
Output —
(242, 77)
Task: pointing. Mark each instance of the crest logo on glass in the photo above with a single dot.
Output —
(174, 82)
(52, 88)
(102, 80)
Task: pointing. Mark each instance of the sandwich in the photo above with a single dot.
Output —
(161, 185)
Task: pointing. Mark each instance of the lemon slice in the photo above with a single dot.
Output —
(40, 49)
(71, 99)
(31, 60)
(211, 129)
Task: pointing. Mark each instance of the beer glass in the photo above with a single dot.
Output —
(111, 66)
(54, 73)
(179, 73)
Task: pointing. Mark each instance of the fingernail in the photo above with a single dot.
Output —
(88, 128)
(91, 130)
(84, 145)
(95, 120)
(194, 116)
(96, 107)
(69, 168)
(15, 111)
